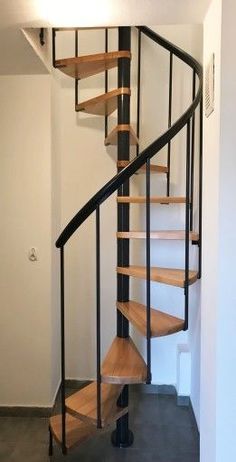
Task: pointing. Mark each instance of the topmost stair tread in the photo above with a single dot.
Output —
(103, 104)
(81, 67)
(170, 276)
(123, 363)
(83, 403)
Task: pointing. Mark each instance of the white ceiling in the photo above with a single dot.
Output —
(16, 55)
(40, 13)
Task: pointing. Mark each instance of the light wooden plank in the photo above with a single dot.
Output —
(161, 323)
(84, 66)
(123, 363)
(153, 168)
(112, 138)
(170, 276)
(153, 200)
(83, 403)
(103, 104)
(76, 431)
(161, 235)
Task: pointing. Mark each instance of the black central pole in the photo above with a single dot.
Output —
(122, 436)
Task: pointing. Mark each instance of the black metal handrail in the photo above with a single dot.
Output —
(112, 185)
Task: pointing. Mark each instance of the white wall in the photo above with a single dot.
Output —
(210, 274)
(55, 230)
(212, 43)
(25, 189)
(218, 399)
(226, 348)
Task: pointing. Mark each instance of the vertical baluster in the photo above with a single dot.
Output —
(106, 80)
(200, 190)
(138, 88)
(41, 36)
(63, 404)
(54, 47)
(98, 316)
(50, 445)
(148, 272)
(76, 80)
(192, 153)
(169, 122)
(187, 225)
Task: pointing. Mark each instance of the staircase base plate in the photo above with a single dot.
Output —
(119, 444)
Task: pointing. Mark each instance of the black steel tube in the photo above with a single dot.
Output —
(121, 437)
(192, 153)
(187, 227)
(138, 88)
(169, 123)
(50, 445)
(76, 80)
(76, 42)
(123, 154)
(41, 37)
(148, 273)
(98, 317)
(63, 404)
(200, 190)
(106, 80)
(54, 47)
(76, 94)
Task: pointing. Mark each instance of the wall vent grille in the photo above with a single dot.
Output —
(210, 87)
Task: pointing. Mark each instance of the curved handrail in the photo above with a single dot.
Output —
(112, 185)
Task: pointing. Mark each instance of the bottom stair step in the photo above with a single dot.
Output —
(83, 404)
(76, 431)
(161, 323)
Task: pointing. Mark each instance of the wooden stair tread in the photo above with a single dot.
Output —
(161, 323)
(83, 403)
(123, 363)
(112, 138)
(153, 200)
(153, 168)
(84, 66)
(165, 235)
(76, 431)
(170, 276)
(103, 104)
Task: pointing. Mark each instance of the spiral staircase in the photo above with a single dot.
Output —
(105, 401)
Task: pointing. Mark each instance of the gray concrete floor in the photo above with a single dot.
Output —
(163, 432)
